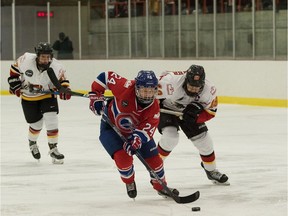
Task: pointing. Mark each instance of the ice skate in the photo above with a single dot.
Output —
(57, 157)
(34, 150)
(164, 194)
(131, 190)
(216, 177)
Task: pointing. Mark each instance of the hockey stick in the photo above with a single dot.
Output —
(178, 114)
(56, 83)
(107, 96)
(73, 93)
(61, 89)
(186, 199)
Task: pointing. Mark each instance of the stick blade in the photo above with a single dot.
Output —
(188, 199)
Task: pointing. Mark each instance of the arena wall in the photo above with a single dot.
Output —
(262, 83)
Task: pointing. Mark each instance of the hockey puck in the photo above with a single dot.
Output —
(196, 209)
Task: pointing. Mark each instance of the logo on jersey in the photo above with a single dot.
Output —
(156, 116)
(127, 83)
(29, 73)
(170, 89)
(124, 103)
(126, 123)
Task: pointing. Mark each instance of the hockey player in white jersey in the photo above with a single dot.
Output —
(194, 97)
(29, 77)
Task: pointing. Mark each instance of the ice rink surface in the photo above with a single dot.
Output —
(250, 144)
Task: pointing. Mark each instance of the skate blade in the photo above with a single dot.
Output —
(55, 161)
(222, 184)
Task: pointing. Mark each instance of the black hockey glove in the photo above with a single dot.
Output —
(15, 85)
(191, 112)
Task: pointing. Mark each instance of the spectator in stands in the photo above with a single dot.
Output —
(122, 8)
(64, 47)
(154, 7)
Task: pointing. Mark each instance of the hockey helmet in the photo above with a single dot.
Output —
(146, 86)
(44, 48)
(195, 77)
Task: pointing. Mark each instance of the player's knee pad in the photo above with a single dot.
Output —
(169, 138)
(203, 143)
(37, 125)
(51, 120)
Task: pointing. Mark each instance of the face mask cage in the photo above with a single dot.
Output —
(193, 89)
(41, 64)
(146, 95)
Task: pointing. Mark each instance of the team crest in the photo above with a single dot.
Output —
(126, 122)
(29, 73)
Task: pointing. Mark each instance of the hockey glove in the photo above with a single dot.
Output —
(15, 85)
(65, 95)
(191, 112)
(96, 103)
(134, 142)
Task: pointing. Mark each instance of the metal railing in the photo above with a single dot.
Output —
(217, 29)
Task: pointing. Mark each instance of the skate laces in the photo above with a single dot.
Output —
(55, 151)
(216, 174)
(131, 187)
(34, 148)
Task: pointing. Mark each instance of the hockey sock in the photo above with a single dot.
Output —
(124, 164)
(209, 161)
(33, 134)
(52, 136)
(163, 154)
(156, 163)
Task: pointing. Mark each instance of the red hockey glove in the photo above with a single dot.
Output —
(15, 85)
(191, 112)
(134, 142)
(65, 95)
(96, 103)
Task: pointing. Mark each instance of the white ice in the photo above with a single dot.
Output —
(250, 144)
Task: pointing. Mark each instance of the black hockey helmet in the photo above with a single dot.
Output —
(44, 48)
(195, 76)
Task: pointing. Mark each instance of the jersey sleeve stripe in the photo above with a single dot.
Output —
(14, 71)
(102, 79)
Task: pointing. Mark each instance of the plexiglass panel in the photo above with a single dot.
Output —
(199, 29)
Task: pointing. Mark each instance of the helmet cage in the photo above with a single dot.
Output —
(195, 77)
(146, 86)
(43, 48)
(146, 95)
